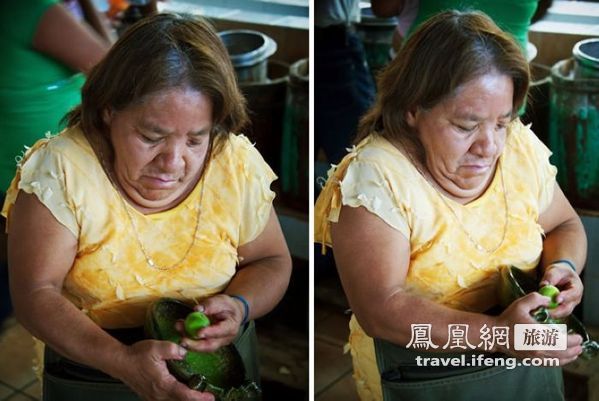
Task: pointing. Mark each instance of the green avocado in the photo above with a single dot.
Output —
(216, 371)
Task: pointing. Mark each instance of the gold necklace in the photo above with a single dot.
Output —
(149, 259)
(474, 242)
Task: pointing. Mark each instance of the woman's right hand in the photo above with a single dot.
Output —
(520, 311)
(143, 368)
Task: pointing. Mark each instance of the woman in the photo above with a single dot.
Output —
(146, 194)
(444, 187)
(44, 50)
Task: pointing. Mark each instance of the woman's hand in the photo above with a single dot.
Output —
(569, 284)
(262, 278)
(225, 314)
(565, 238)
(144, 370)
(520, 311)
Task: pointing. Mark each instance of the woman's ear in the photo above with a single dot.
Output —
(107, 116)
(412, 117)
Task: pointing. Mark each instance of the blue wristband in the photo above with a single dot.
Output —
(566, 261)
(246, 308)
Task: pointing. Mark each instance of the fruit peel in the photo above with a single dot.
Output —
(194, 322)
(551, 292)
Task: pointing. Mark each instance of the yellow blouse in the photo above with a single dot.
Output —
(111, 279)
(453, 260)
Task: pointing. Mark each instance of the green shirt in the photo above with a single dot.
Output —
(36, 90)
(512, 16)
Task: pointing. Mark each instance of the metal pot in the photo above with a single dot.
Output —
(249, 51)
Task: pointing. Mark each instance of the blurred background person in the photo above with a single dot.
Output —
(513, 16)
(345, 88)
(46, 51)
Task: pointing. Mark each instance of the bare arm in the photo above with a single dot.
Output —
(565, 236)
(61, 36)
(264, 269)
(98, 21)
(372, 259)
(387, 8)
(41, 253)
(565, 239)
(262, 279)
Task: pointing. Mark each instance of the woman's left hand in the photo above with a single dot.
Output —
(225, 314)
(569, 284)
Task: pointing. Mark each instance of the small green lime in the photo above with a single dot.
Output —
(194, 322)
(552, 292)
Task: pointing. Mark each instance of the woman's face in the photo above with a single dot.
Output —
(160, 146)
(464, 135)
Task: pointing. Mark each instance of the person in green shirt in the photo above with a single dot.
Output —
(512, 16)
(44, 51)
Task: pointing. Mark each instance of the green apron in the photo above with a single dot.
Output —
(66, 380)
(402, 379)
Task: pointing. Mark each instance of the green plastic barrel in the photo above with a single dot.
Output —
(574, 134)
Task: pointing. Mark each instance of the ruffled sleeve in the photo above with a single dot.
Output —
(257, 195)
(362, 179)
(42, 173)
(365, 185)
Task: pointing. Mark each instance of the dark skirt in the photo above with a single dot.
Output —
(402, 379)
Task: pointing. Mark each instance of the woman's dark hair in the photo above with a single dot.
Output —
(447, 51)
(164, 51)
